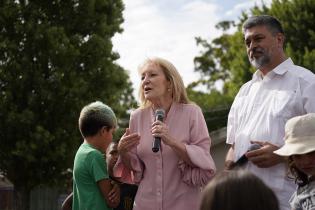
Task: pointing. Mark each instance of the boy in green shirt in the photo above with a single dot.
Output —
(91, 183)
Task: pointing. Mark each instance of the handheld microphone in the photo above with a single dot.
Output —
(243, 159)
(159, 115)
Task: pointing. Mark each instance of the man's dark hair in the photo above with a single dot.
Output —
(270, 22)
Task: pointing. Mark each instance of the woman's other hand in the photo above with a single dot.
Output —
(127, 142)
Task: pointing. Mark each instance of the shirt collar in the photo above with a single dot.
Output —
(257, 76)
(281, 69)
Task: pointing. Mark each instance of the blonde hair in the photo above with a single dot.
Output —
(179, 93)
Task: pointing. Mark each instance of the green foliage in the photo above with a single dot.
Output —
(215, 106)
(297, 18)
(224, 59)
(216, 118)
(55, 57)
(214, 100)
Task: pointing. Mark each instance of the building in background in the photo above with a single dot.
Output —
(6, 193)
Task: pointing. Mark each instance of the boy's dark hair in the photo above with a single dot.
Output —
(95, 116)
(272, 23)
(238, 189)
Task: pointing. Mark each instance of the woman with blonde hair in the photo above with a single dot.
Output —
(171, 173)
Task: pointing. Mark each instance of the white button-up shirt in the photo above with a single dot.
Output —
(260, 111)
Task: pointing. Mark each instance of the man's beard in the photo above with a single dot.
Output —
(261, 61)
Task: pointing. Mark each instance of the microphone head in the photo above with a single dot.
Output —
(254, 147)
(159, 114)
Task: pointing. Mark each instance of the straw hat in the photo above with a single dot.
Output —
(299, 136)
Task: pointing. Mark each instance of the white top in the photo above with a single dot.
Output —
(304, 197)
(260, 110)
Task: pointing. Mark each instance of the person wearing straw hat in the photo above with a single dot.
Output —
(299, 147)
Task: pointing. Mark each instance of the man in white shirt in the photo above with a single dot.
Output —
(278, 91)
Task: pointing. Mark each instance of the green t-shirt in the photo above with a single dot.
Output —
(89, 167)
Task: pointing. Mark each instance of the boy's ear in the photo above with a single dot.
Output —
(103, 130)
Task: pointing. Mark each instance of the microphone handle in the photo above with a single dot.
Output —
(241, 161)
(156, 144)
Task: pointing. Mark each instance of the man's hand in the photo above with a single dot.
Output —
(264, 157)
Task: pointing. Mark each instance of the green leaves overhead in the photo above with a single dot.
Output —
(55, 57)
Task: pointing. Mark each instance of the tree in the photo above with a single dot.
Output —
(215, 106)
(225, 59)
(55, 57)
(297, 18)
